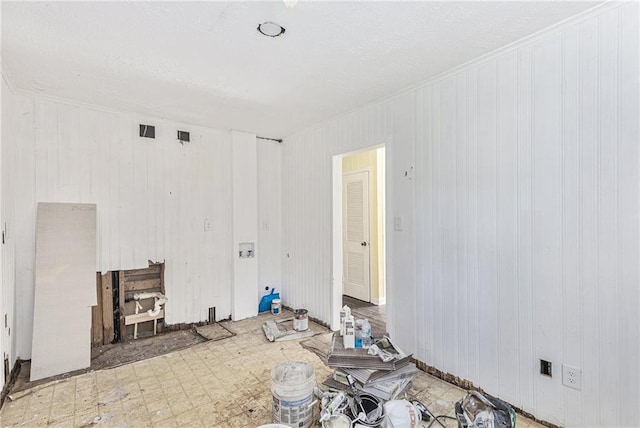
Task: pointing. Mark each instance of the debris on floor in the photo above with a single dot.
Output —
(213, 331)
(224, 383)
(370, 383)
(483, 410)
(276, 331)
(354, 407)
(380, 356)
(386, 380)
(355, 396)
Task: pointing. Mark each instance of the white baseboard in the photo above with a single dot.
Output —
(379, 301)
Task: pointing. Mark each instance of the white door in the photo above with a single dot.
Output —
(355, 203)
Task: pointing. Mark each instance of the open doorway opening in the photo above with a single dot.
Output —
(359, 235)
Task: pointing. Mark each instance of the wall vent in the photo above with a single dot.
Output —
(546, 368)
(183, 136)
(147, 131)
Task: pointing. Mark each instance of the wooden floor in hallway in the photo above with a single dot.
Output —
(376, 314)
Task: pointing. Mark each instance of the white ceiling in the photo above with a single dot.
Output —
(205, 63)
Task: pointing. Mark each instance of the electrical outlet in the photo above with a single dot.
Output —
(572, 377)
(207, 225)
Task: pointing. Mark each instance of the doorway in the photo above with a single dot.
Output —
(358, 229)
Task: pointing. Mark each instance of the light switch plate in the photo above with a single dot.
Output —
(397, 223)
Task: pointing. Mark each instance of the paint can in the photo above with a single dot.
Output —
(292, 384)
(276, 306)
(301, 320)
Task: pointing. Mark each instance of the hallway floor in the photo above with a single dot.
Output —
(223, 383)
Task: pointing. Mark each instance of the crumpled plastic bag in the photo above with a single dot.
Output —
(478, 410)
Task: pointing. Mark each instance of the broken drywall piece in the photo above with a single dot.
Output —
(65, 288)
(277, 332)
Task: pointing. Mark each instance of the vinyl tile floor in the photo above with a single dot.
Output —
(223, 383)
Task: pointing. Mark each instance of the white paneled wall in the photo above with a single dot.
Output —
(307, 206)
(152, 196)
(269, 214)
(306, 210)
(10, 120)
(17, 116)
(521, 223)
(245, 225)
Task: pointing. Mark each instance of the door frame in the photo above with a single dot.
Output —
(337, 264)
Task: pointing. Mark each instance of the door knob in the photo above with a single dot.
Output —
(364, 244)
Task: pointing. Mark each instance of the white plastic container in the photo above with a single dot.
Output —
(349, 338)
(366, 334)
(292, 384)
(344, 313)
(276, 306)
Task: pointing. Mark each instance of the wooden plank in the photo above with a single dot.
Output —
(123, 329)
(142, 317)
(107, 308)
(160, 326)
(96, 316)
(141, 277)
(155, 269)
(142, 285)
(162, 278)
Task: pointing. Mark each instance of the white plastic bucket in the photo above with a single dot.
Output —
(292, 384)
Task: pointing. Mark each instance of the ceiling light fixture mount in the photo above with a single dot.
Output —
(271, 29)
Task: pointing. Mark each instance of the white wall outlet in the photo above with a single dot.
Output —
(207, 225)
(572, 377)
(265, 227)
